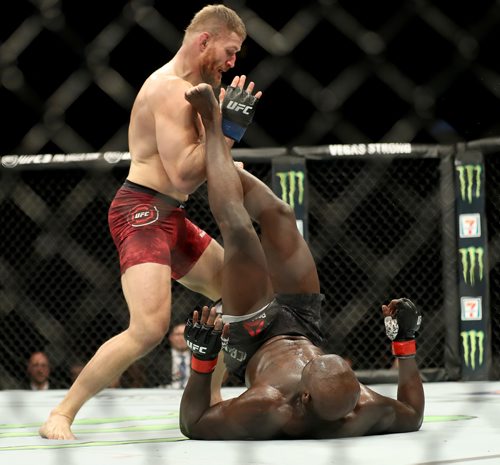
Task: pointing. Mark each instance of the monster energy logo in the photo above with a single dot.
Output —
(468, 256)
(292, 186)
(473, 345)
(469, 176)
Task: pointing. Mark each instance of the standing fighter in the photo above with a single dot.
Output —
(272, 333)
(155, 240)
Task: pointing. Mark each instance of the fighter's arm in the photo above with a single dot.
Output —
(409, 409)
(258, 413)
(402, 320)
(255, 414)
(218, 377)
(378, 414)
(179, 134)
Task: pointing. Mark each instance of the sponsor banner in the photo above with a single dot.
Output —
(473, 282)
(469, 225)
(470, 177)
(471, 308)
(473, 348)
(15, 161)
(472, 264)
(290, 185)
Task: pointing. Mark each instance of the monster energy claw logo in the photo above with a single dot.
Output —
(469, 177)
(473, 345)
(292, 185)
(468, 256)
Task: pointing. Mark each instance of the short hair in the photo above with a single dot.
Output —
(217, 19)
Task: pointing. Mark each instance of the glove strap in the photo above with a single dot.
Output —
(203, 366)
(232, 130)
(404, 349)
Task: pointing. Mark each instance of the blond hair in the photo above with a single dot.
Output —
(217, 19)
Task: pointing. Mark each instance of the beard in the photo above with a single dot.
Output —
(209, 70)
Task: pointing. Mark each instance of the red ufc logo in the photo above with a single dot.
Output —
(254, 327)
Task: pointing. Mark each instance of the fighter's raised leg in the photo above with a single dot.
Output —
(290, 262)
(246, 286)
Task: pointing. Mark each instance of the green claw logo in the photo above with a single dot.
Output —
(469, 177)
(469, 256)
(292, 187)
(473, 346)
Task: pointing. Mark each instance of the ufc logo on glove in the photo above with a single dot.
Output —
(196, 348)
(238, 108)
(232, 105)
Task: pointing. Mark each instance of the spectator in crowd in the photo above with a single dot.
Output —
(38, 370)
(179, 362)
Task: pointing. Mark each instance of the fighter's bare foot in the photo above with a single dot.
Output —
(57, 426)
(203, 100)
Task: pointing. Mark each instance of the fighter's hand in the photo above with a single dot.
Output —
(203, 336)
(238, 107)
(239, 81)
(402, 319)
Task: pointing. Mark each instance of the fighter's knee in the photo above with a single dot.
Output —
(154, 337)
(234, 219)
(149, 334)
(238, 228)
(283, 209)
(277, 211)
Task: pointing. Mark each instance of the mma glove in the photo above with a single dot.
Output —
(238, 108)
(205, 344)
(401, 324)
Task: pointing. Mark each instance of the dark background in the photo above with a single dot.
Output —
(332, 72)
(346, 71)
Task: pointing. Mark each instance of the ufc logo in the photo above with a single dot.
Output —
(196, 348)
(232, 105)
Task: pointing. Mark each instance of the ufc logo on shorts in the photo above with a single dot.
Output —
(235, 106)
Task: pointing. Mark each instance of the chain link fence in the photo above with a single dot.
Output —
(59, 283)
(375, 229)
(393, 71)
(492, 168)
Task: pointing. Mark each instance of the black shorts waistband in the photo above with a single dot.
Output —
(147, 190)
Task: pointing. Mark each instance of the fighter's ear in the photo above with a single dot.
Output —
(203, 39)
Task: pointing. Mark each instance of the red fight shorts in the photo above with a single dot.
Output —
(149, 227)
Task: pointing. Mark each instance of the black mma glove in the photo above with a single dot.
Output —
(402, 320)
(238, 108)
(205, 344)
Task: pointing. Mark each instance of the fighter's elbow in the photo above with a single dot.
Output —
(192, 432)
(418, 422)
(413, 423)
(185, 430)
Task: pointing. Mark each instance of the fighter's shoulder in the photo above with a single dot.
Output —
(370, 398)
(161, 85)
(374, 412)
(264, 399)
(263, 412)
(265, 392)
